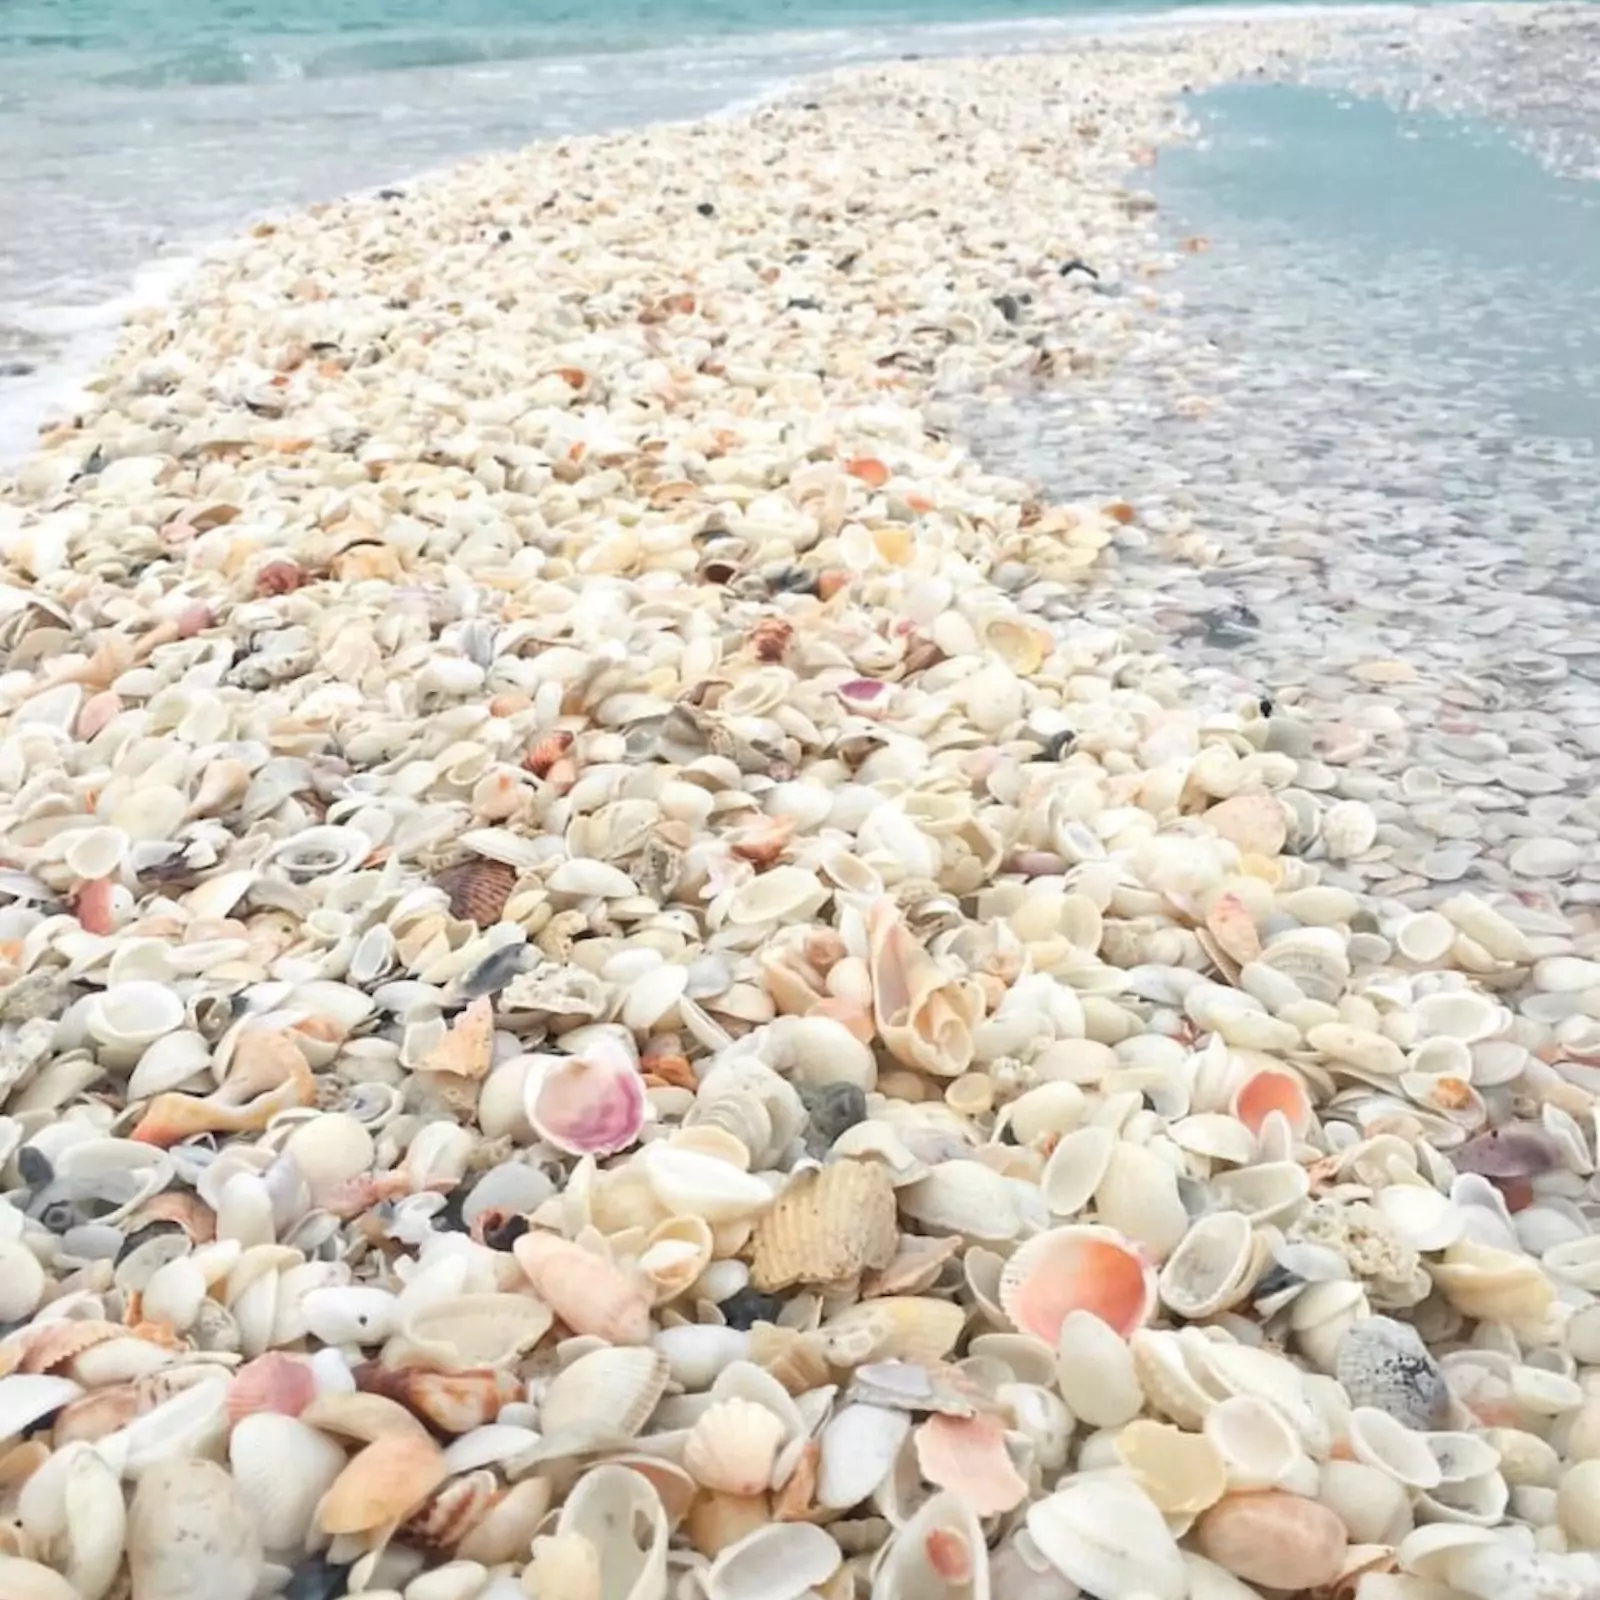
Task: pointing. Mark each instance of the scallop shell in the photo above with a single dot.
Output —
(734, 1446)
(1276, 1540)
(1272, 1090)
(1077, 1269)
(1256, 823)
(273, 1382)
(1109, 1538)
(827, 1227)
(478, 890)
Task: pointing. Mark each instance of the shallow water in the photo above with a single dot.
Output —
(1365, 455)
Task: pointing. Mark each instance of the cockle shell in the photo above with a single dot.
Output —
(611, 1391)
(734, 1447)
(283, 1469)
(381, 1485)
(1077, 1269)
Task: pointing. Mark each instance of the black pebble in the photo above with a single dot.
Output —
(317, 1579)
(505, 236)
(1059, 745)
(706, 209)
(507, 1234)
(1008, 306)
(448, 1218)
(812, 105)
(804, 303)
(748, 1307)
(1265, 703)
(391, 194)
(15, 369)
(834, 1107)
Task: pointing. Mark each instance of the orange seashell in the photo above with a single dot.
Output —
(468, 1047)
(1120, 512)
(1077, 1268)
(451, 1402)
(831, 581)
(509, 702)
(869, 470)
(1256, 823)
(382, 1485)
(272, 1382)
(96, 713)
(587, 1292)
(950, 1555)
(54, 1344)
(798, 1497)
(451, 1513)
(478, 890)
(189, 1211)
(1274, 1539)
(968, 1456)
(716, 1521)
(547, 751)
(770, 638)
(763, 842)
(856, 1015)
(1270, 1090)
(93, 905)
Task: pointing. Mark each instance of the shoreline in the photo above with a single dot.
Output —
(61, 377)
(576, 863)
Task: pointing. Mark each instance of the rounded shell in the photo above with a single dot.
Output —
(1277, 1540)
(1077, 1269)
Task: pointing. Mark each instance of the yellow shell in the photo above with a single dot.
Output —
(827, 1227)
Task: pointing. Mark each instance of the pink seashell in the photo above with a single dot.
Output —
(1078, 1268)
(273, 1382)
(968, 1456)
(588, 1105)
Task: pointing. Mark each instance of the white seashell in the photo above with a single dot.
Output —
(190, 1536)
(606, 1499)
(22, 1281)
(90, 853)
(28, 1398)
(1382, 1442)
(1077, 1164)
(1374, 1507)
(1459, 1014)
(590, 878)
(351, 1314)
(734, 1447)
(1095, 1372)
(858, 1450)
(609, 1391)
(910, 1569)
(1213, 1267)
(1258, 1448)
(169, 1064)
(964, 1197)
(1138, 1196)
(781, 894)
(488, 1445)
(684, 1181)
(1421, 1217)
(697, 1353)
(175, 1293)
(282, 1468)
(1109, 1539)
(133, 1015)
(782, 1561)
(1424, 938)
(1349, 828)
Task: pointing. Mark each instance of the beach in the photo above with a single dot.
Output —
(847, 850)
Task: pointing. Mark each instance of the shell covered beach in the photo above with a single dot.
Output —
(625, 976)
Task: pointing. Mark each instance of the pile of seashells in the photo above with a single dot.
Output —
(592, 1007)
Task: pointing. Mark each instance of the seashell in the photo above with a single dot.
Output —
(1076, 1166)
(827, 1227)
(781, 894)
(963, 1197)
(467, 1050)
(1349, 829)
(1108, 1538)
(1182, 1473)
(938, 1554)
(1095, 1371)
(449, 1402)
(363, 1417)
(588, 1293)
(131, 1016)
(733, 1447)
(1374, 1507)
(1277, 1540)
(782, 1561)
(1421, 1217)
(1492, 1285)
(564, 1564)
(445, 1519)
(1138, 1198)
(350, 1314)
(273, 1382)
(684, 1180)
(1381, 1441)
(1077, 1268)
(1257, 1447)
(606, 1499)
(282, 1469)
(611, 1391)
(477, 890)
(1384, 1364)
(858, 1450)
(502, 1533)
(910, 1328)
(1263, 1093)
(27, 1398)
(593, 1104)
(1214, 1267)
(967, 1456)
(1578, 1505)
(190, 1535)
(21, 1579)
(381, 1485)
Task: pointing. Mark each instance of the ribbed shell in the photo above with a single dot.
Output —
(478, 890)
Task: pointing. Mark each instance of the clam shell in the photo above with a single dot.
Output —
(282, 1469)
(703, 1186)
(1095, 1372)
(1213, 1268)
(858, 1450)
(381, 1485)
(779, 1562)
(893, 1328)
(967, 1456)
(963, 1197)
(612, 1391)
(827, 1227)
(190, 1535)
(939, 1554)
(1182, 1473)
(1277, 1540)
(1257, 1448)
(588, 1293)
